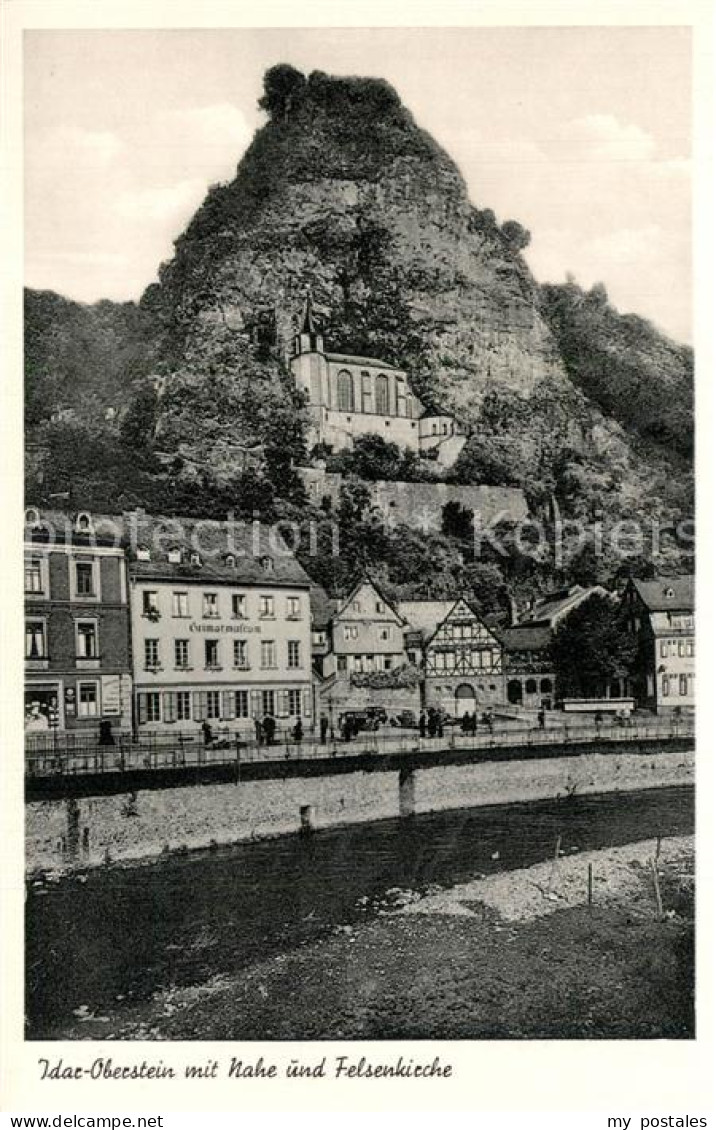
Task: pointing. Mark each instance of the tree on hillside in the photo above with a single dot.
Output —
(457, 520)
(517, 236)
(591, 647)
(281, 85)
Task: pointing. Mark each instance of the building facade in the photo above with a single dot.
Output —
(531, 680)
(220, 635)
(661, 615)
(463, 664)
(77, 643)
(361, 658)
(350, 396)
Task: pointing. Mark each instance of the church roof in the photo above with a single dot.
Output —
(353, 359)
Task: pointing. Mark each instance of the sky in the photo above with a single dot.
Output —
(581, 134)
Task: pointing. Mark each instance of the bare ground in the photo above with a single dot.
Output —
(517, 955)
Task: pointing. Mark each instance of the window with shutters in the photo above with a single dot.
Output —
(350, 632)
(35, 640)
(241, 704)
(268, 653)
(665, 686)
(241, 654)
(293, 608)
(683, 685)
(86, 639)
(181, 653)
(268, 702)
(294, 653)
(238, 606)
(294, 702)
(211, 653)
(183, 704)
(151, 654)
(344, 384)
(33, 575)
(387, 662)
(180, 604)
(149, 704)
(88, 700)
(211, 605)
(213, 704)
(266, 607)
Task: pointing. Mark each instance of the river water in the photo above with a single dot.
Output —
(125, 932)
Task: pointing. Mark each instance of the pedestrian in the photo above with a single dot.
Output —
(465, 723)
(324, 729)
(541, 718)
(207, 732)
(269, 728)
(259, 731)
(473, 723)
(432, 723)
(298, 730)
(422, 724)
(441, 724)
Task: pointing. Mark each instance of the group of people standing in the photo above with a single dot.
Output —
(431, 724)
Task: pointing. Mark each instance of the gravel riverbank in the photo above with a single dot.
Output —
(514, 955)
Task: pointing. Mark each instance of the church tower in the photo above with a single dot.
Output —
(310, 368)
(309, 339)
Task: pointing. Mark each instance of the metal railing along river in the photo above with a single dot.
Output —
(72, 754)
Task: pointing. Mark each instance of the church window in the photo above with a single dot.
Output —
(400, 389)
(366, 392)
(382, 395)
(346, 401)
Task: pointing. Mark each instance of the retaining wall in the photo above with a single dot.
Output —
(82, 831)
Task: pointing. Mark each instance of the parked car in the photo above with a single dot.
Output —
(369, 718)
(405, 719)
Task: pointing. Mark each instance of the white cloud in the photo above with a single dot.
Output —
(163, 204)
(74, 147)
(603, 138)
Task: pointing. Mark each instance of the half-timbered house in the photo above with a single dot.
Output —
(463, 664)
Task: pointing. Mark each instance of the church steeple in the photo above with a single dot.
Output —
(309, 339)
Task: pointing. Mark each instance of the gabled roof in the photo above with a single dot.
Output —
(552, 606)
(353, 359)
(424, 615)
(472, 608)
(341, 606)
(216, 543)
(526, 637)
(655, 594)
(322, 607)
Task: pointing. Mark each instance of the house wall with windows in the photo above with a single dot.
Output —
(660, 613)
(211, 646)
(77, 645)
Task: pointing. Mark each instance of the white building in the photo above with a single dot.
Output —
(350, 396)
(221, 628)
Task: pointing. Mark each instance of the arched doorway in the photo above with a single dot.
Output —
(465, 701)
(514, 692)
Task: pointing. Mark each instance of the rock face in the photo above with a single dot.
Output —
(342, 193)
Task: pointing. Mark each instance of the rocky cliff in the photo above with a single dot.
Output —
(341, 193)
